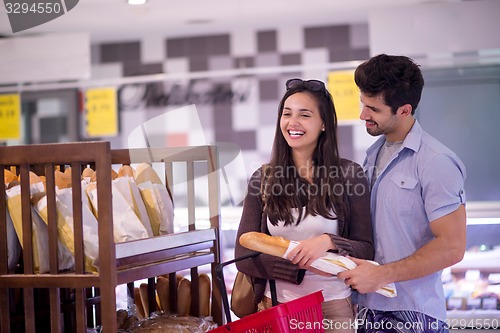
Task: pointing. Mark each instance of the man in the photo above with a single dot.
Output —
(417, 204)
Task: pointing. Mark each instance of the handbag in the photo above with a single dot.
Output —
(243, 294)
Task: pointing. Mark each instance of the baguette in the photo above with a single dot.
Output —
(205, 290)
(145, 173)
(8, 176)
(261, 242)
(62, 180)
(126, 171)
(183, 297)
(143, 293)
(138, 303)
(114, 175)
(276, 246)
(87, 173)
(331, 263)
(163, 292)
(67, 172)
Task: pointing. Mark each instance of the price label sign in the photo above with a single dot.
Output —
(10, 117)
(345, 94)
(101, 112)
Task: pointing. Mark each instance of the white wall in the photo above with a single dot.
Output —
(45, 58)
(436, 28)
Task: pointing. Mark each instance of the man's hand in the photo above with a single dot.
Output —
(365, 278)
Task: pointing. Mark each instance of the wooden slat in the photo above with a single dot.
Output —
(51, 153)
(214, 211)
(49, 281)
(76, 192)
(191, 194)
(107, 268)
(27, 227)
(4, 292)
(29, 310)
(52, 220)
(6, 308)
(142, 272)
(149, 155)
(80, 311)
(55, 313)
(195, 292)
(152, 257)
(164, 242)
(3, 227)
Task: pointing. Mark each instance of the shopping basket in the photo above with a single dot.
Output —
(303, 314)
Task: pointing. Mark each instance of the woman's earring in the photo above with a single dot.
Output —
(323, 129)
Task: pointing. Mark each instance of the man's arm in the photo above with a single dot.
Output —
(446, 249)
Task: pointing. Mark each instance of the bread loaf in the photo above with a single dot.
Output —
(143, 292)
(145, 173)
(183, 297)
(277, 246)
(8, 176)
(163, 292)
(126, 171)
(138, 303)
(205, 291)
(331, 263)
(67, 172)
(87, 173)
(261, 242)
(114, 175)
(62, 180)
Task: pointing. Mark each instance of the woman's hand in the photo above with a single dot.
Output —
(310, 249)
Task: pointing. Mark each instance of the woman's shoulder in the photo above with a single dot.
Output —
(347, 163)
(351, 169)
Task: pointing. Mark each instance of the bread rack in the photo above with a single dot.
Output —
(120, 263)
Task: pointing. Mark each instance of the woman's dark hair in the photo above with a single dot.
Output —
(397, 79)
(285, 189)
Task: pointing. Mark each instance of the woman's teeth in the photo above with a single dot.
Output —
(295, 133)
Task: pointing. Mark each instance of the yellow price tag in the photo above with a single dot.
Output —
(101, 112)
(10, 117)
(345, 94)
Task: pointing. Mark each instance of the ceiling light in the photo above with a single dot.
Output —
(136, 2)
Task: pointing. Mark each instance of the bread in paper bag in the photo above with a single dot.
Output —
(157, 199)
(13, 246)
(126, 224)
(127, 186)
(40, 234)
(65, 226)
(330, 263)
(87, 174)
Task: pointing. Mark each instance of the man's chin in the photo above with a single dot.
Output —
(373, 133)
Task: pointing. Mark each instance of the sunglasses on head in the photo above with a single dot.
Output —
(312, 85)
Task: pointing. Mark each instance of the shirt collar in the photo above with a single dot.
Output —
(412, 141)
(414, 137)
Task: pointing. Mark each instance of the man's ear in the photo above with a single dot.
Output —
(405, 110)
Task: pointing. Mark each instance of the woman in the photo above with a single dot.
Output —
(312, 196)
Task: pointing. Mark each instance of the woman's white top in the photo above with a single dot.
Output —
(310, 226)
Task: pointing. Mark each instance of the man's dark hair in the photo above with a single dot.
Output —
(397, 79)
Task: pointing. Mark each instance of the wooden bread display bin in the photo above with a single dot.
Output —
(74, 273)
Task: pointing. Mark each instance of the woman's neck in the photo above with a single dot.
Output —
(304, 164)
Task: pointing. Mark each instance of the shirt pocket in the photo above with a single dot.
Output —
(402, 192)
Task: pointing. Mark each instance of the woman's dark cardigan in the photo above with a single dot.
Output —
(354, 238)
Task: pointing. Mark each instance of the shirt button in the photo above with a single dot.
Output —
(402, 182)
